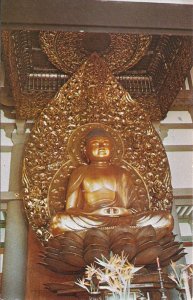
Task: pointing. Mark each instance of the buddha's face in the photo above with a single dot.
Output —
(98, 148)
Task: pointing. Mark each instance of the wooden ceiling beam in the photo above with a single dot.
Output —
(97, 16)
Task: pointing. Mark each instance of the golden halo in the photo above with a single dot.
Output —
(77, 141)
(67, 50)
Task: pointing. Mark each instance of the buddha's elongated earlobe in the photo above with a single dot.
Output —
(85, 154)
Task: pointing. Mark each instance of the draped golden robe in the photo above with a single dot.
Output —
(107, 208)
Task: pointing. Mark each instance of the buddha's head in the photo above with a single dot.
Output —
(98, 146)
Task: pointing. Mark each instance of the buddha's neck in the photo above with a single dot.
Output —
(100, 164)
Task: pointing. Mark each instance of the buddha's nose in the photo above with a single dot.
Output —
(101, 145)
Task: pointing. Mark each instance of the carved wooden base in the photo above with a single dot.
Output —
(37, 275)
(44, 284)
(150, 284)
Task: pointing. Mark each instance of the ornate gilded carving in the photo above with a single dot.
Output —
(28, 103)
(176, 75)
(154, 81)
(68, 50)
(167, 51)
(91, 95)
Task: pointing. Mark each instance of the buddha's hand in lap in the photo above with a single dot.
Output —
(112, 212)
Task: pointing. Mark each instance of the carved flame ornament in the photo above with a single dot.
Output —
(68, 50)
(92, 95)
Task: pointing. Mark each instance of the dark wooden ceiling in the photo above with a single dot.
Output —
(32, 80)
(98, 16)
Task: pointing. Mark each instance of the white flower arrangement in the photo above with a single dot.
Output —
(180, 275)
(113, 275)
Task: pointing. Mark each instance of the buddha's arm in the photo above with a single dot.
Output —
(72, 200)
(74, 203)
(74, 193)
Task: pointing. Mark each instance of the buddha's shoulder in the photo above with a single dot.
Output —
(79, 170)
(122, 170)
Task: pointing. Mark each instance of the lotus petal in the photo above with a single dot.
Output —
(97, 232)
(146, 256)
(147, 245)
(122, 229)
(122, 235)
(97, 240)
(69, 248)
(91, 255)
(73, 259)
(129, 250)
(59, 266)
(72, 235)
(54, 243)
(167, 239)
(68, 241)
(147, 231)
(167, 253)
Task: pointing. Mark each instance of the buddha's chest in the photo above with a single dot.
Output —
(96, 180)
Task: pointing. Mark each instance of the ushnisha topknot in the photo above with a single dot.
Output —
(97, 132)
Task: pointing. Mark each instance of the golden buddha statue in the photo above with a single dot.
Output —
(104, 195)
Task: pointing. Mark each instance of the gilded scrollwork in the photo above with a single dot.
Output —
(176, 75)
(92, 95)
(28, 103)
(153, 81)
(67, 51)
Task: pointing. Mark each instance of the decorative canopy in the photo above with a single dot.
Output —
(151, 68)
(68, 50)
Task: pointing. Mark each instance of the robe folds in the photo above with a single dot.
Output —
(82, 214)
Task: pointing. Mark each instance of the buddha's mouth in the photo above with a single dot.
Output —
(102, 152)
